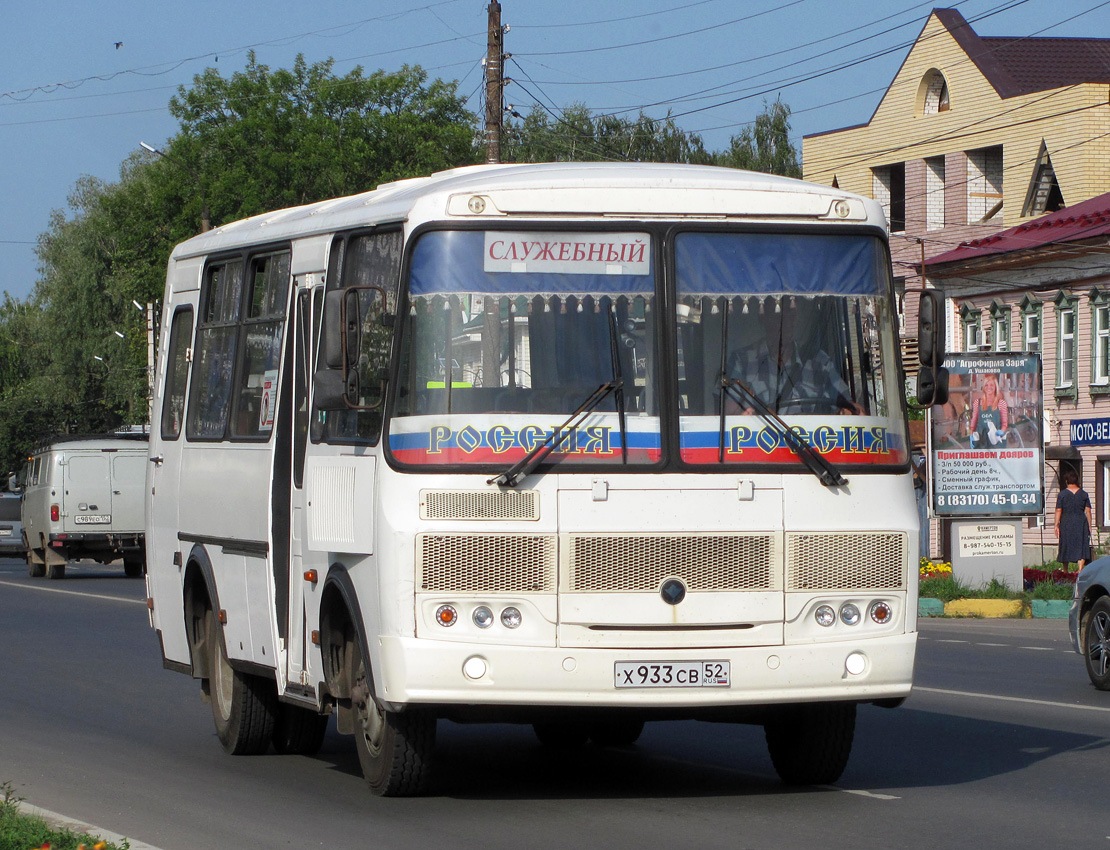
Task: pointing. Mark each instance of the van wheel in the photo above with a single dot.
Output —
(133, 567)
(810, 743)
(394, 748)
(244, 707)
(36, 567)
(55, 570)
(299, 731)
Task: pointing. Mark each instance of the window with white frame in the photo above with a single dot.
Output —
(1000, 326)
(973, 328)
(1031, 316)
(1100, 339)
(1065, 344)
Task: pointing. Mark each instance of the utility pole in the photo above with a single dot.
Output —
(495, 83)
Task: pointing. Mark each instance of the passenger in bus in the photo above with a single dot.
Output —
(784, 377)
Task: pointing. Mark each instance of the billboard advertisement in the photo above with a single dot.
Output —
(986, 441)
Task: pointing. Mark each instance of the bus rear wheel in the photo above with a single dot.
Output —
(394, 748)
(810, 744)
(244, 707)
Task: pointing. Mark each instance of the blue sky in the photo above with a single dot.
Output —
(72, 103)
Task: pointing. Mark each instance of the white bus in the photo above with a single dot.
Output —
(579, 446)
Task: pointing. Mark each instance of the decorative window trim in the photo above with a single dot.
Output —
(1030, 306)
(1000, 321)
(971, 317)
(1064, 303)
(1099, 302)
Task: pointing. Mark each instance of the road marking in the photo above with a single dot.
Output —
(870, 794)
(73, 592)
(1039, 648)
(993, 644)
(1012, 699)
(950, 640)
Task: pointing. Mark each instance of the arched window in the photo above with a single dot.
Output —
(935, 93)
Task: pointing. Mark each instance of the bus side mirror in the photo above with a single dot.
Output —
(329, 390)
(932, 377)
(342, 327)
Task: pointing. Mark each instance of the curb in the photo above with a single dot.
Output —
(1047, 609)
(57, 821)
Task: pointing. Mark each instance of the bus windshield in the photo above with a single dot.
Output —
(518, 341)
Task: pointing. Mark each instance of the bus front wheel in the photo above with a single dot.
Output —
(394, 748)
(244, 707)
(810, 743)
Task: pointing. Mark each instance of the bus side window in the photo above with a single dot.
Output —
(177, 373)
(372, 259)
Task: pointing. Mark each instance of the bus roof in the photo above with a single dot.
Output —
(591, 190)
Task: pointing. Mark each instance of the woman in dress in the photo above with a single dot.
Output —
(1073, 522)
(990, 416)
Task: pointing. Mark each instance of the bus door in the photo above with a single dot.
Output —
(301, 561)
(162, 475)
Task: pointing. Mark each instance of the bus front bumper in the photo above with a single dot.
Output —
(419, 671)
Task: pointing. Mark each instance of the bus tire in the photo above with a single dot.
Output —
(810, 744)
(243, 706)
(298, 731)
(394, 748)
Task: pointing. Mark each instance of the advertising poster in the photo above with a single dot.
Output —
(987, 446)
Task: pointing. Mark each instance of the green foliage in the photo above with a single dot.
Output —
(261, 140)
(765, 145)
(575, 135)
(19, 831)
(1052, 590)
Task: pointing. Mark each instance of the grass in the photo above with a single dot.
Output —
(937, 582)
(27, 832)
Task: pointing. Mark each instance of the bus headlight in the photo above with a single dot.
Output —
(483, 617)
(511, 618)
(824, 615)
(849, 614)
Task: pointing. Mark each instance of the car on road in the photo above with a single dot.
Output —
(1089, 620)
(11, 528)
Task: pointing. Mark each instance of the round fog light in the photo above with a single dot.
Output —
(825, 615)
(849, 614)
(483, 617)
(855, 663)
(511, 618)
(881, 612)
(446, 615)
(474, 667)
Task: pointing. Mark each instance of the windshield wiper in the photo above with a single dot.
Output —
(618, 380)
(541, 450)
(828, 474)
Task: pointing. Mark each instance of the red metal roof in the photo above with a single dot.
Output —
(1086, 220)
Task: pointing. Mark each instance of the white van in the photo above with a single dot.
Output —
(83, 498)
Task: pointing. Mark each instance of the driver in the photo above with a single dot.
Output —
(785, 380)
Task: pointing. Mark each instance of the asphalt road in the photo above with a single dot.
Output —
(1004, 743)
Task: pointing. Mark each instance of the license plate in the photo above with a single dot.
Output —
(672, 674)
(92, 519)
(5, 532)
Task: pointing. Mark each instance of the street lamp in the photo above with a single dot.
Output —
(205, 224)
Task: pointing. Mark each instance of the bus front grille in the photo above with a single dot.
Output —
(486, 563)
(599, 563)
(846, 561)
(480, 504)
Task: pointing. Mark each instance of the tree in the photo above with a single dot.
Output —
(765, 145)
(258, 141)
(575, 135)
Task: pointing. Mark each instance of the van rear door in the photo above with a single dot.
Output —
(88, 493)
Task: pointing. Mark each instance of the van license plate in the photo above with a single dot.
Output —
(92, 519)
(5, 532)
(672, 674)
